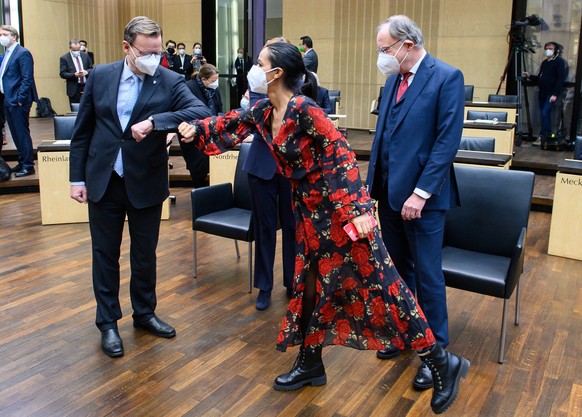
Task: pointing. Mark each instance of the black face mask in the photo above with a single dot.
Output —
(171, 50)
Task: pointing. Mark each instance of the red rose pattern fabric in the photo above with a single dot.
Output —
(361, 300)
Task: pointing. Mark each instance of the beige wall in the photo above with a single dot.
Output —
(463, 33)
(460, 32)
(49, 24)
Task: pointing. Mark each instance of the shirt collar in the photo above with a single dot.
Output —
(11, 49)
(127, 72)
(415, 66)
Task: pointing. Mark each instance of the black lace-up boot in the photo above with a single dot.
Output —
(447, 370)
(308, 369)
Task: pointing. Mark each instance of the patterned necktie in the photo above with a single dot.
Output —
(82, 79)
(130, 100)
(403, 86)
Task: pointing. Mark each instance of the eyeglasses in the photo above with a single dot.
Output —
(147, 54)
(387, 48)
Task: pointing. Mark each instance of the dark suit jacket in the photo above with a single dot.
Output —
(97, 134)
(68, 71)
(311, 61)
(187, 69)
(323, 100)
(242, 66)
(201, 95)
(18, 78)
(426, 136)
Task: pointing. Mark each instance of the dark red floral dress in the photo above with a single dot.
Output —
(361, 300)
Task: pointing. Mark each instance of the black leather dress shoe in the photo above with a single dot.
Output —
(16, 168)
(24, 172)
(423, 378)
(157, 327)
(111, 343)
(388, 353)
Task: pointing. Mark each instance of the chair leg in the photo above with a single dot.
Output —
(250, 267)
(236, 247)
(194, 244)
(503, 331)
(517, 304)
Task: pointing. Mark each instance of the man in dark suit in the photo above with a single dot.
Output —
(85, 49)
(17, 85)
(182, 64)
(74, 68)
(310, 57)
(410, 172)
(242, 65)
(271, 199)
(119, 165)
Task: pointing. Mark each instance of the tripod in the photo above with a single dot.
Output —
(517, 52)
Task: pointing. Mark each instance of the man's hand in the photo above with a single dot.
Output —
(553, 99)
(140, 130)
(79, 193)
(412, 207)
(187, 131)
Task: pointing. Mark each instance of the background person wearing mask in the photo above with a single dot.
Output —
(17, 85)
(167, 59)
(197, 58)
(85, 49)
(182, 64)
(550, 80)
(74, 68)
(205, 87)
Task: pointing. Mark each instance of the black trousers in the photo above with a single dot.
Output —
(106, 221)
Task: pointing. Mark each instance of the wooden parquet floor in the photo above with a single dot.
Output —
(222, 361)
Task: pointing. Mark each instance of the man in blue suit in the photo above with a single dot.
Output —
(410, 171)
(17, 85)
(119, 166)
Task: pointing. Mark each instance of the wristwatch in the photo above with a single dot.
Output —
(151, 119)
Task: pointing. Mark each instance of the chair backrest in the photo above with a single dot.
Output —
(469, 89)
(469, 143)
(578, 147)
(75, 107)
(241, 189)
(334, 99)
(501, 116)
(495, 205)
(497, 98)
(63, 126)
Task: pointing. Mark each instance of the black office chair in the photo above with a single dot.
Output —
(74, 107)
(335, 98)
(578, 147)
(469, 89)
(501, 116)
(496, 98)
(63, 127)
(470, 143)
(374, 109)
(223, 211)
(485, 238)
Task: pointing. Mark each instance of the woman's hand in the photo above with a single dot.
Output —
(364, 224)
(187, 131)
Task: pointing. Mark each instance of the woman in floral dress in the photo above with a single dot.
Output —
(345, 292)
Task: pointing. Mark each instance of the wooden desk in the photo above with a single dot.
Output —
(223, 167)
(483, 159)
(566, 224)
(502, 132)
(56, 205)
